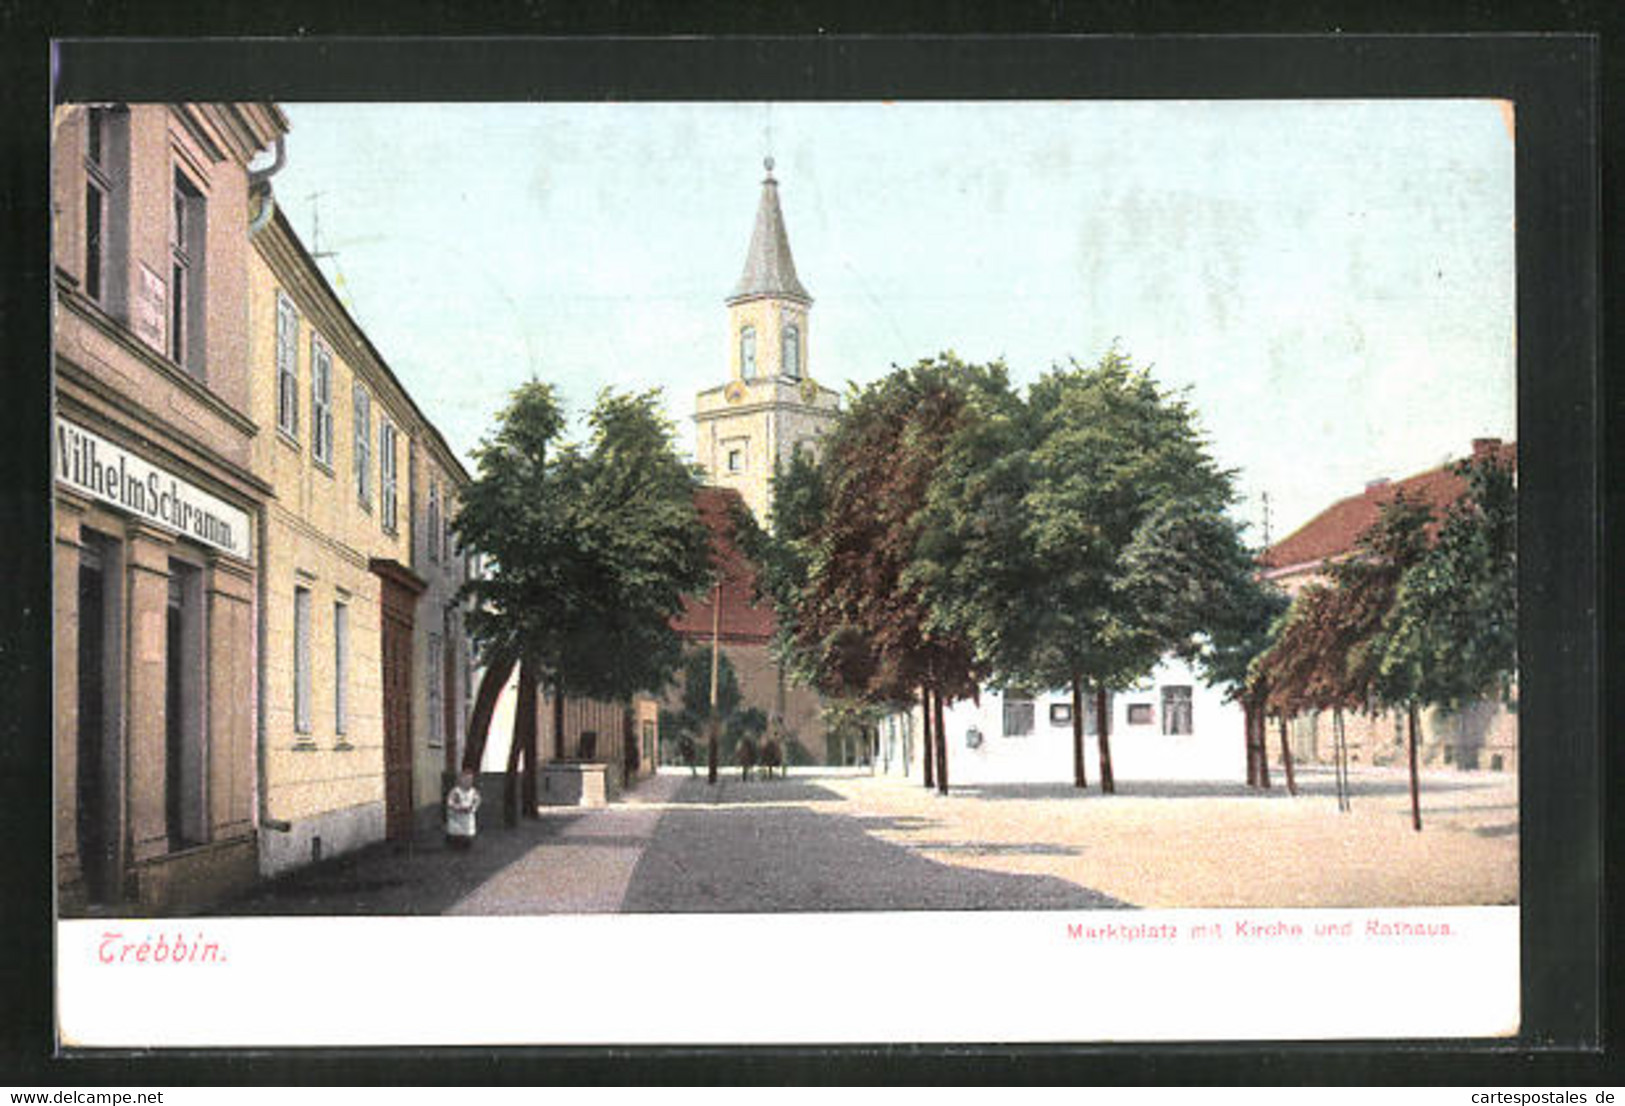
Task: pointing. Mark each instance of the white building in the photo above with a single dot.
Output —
(1171, 727)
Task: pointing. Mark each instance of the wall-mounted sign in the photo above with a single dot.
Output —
(151, 315)
(113, 475)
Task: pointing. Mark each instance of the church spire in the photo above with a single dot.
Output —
(769, 268)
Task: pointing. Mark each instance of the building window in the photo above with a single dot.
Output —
(1018, 716)
(736, 460)
(1139, 714)
(321, 401)
(287, 366)
(434, 678)
(363, 446)
(341, 667)
(1090, 722)
(446, 550)
(386, 473)
(184, 808)
(301, 660)
(186, 276)
(105, 173)
(792, 352)
(1060, 714)
(1176, 710)
(433, 535)
(747, 353)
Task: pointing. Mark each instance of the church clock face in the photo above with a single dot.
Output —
(734, 392)
(809, 391)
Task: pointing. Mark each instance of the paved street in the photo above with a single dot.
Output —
(837, 841)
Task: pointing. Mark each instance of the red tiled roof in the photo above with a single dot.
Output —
(742, 618)
(1333, 532)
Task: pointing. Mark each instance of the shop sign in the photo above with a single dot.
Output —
(95, 466)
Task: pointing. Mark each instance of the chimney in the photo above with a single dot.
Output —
(1374, 486)
(1485, 447)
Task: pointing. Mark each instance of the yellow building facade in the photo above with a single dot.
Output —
(354, 710)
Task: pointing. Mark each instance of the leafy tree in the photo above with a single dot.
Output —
(589, 549)
(865, 626)
(1368, 584)
(1450, 635)
(690, 722)
(1070, 539)
(1242, 611)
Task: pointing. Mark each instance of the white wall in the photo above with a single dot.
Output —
(1213, 751)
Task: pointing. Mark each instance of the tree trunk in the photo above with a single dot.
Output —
(1108, 783)
(928, 739)
(1286, 760)
(1247, 741)
(1261, 744)
(1416, 790)
(510, 780)
(711, 728)
(525, 723)
(479, 724)
(942, 748)
(1340, 757)
(558, 722)
(1080, 776)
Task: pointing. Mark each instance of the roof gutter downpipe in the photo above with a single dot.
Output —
(259, 184)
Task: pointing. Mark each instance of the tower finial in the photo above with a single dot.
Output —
(767, 163)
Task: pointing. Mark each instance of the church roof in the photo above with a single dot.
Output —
(769, 268)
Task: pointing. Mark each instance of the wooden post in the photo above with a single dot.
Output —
(1416, 795)
(716, 659)
(1286, 760)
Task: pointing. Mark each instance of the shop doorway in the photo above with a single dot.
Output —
(97, 821)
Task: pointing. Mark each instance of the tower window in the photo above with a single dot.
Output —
(736, 460)
(747, 353)
(792, 352)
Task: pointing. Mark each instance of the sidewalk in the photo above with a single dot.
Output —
(568, 859)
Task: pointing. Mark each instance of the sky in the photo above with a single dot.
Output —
(1333, 281)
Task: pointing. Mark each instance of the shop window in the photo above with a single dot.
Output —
(387, 495)
(184, 807)
(361, 416)
(1018, 716)
(1176, 710)
(747, 353)
(187, 249)
(341, 668)
(287, 366)
(1060, 714)
(1139, 714)
(301, 660)
(321, 401)
(792, 352)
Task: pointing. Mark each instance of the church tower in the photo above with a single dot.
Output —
(770, 404)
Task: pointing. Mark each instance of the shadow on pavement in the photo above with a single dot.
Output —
(731, 789)
(420, 876)
(787, 859)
